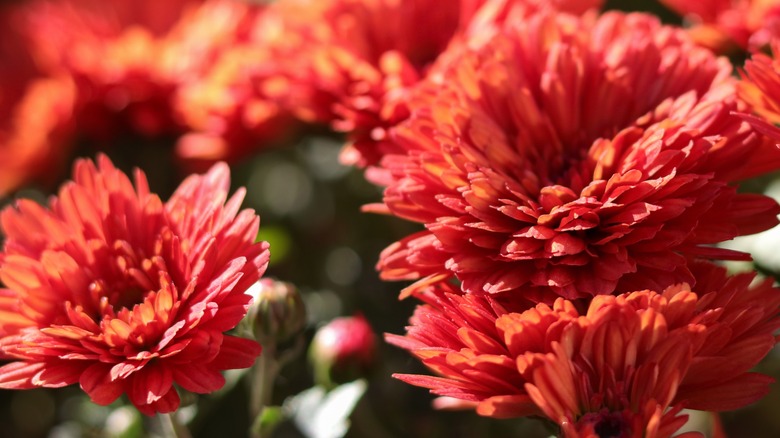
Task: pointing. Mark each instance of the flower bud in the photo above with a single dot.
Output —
(342, 350)
(277, 313)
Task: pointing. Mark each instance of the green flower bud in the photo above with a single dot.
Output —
(277, 313)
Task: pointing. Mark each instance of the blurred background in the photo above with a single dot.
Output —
(310, 206)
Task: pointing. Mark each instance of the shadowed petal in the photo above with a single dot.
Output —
(97, 383)
(198, 379)
(19, 375)
(236, 353)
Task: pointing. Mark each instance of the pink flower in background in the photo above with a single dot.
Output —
(338, 62)
(111, 288)
(572, 156)
(343, 350)
(625, 364)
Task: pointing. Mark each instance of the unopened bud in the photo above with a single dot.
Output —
(343, 350)
(277, 313)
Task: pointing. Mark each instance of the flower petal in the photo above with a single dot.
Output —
(96, 381)
(19, 375)
(200, 379)
(236, 353)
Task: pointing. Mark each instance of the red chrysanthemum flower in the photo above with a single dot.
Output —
(113, 289)
(115, 52)
(716, 24)
(625, 364)
(35, 113)
(760, 88)
(358, 58)
(571, 155)
(129, 58)
(244, 100)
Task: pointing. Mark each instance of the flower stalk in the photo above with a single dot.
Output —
(275, 319)
(263, 377)
(171, 427)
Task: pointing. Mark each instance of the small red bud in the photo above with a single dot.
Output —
(343, 350)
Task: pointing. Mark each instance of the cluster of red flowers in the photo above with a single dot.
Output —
(215, 78)
(573, 171)
(573, 174)
(87, 72)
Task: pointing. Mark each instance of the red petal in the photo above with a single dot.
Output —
(167, 403)
(198, 378)
(202, 346)
(57, 375)
(508, 406)
(150, 384)
(96, 382)
(170, 334)
(124, 369)
(236, 353)
(231, 311)
(728, 396)
(18, 375)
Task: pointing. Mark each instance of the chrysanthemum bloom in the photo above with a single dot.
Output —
(570, 155)
(115, 53)
(717, 24)
(111, 288)
(359, 57)
(128, 58)
(339, 59)
(243, 101)
(35, 113)
(760, 88)
(623, 364)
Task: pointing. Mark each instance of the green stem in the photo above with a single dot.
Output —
(171, 427)
(263, 378)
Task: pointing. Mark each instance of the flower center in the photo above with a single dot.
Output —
(611, 426)
(606, 424)
(122, 278)
(127, 298)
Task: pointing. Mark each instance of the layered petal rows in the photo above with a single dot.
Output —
(111, 288)
(535, 162)
(572, 175)
(633, 360)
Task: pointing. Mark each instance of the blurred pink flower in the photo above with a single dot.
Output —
(343, 350)
(113, 289)
(116, 53)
